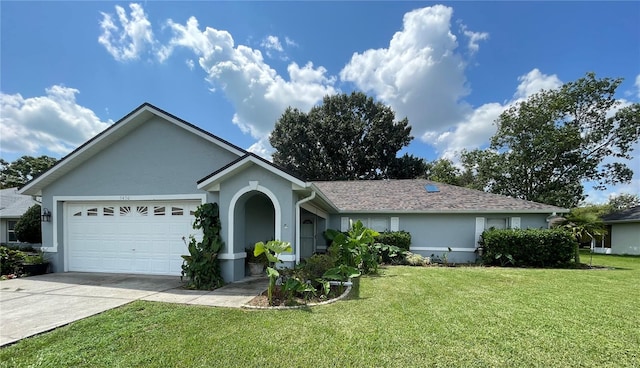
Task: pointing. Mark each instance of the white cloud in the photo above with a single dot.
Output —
(130, 38)
(272, 43)
(190, 64)
(54, 122)
(637, 84)
(477, 127)
(420, 74)
(474, 38)
(289, 42)
(262, 148)
(534, 81)
(260, 95)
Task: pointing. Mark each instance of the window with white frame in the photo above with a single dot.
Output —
(11, 231)
(374, 223)
(496, 223)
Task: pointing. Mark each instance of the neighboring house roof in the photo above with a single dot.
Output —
(629, 215)
(114, 132)
(13, 204)
(407, 196)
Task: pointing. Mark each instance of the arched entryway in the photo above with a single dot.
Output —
(254, 216)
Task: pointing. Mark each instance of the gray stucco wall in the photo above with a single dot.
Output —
(281, 190)
(446, 231)
(157, 158)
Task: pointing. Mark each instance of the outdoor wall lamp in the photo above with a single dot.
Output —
(46, 215)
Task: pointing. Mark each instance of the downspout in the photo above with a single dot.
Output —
(303, 200)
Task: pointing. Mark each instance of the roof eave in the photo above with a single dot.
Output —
(212, 181)
(111, 134)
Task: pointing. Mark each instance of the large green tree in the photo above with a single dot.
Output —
(548, 145)
(346, 137)
(20, 171)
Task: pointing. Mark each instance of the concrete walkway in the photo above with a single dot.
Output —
(32, 305)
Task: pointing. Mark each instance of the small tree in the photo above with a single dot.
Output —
(28, 228)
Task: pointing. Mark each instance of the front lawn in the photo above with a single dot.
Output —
(407, 317)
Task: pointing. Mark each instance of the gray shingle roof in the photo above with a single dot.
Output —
(411, 196)
(629, 215)
(12, 204)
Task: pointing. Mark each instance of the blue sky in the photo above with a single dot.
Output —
(69, 69)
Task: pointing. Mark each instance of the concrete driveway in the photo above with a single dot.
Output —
(32, 305)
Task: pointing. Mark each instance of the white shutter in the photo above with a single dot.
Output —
(479, 228)
(344, 224)
(395, 224)
(515, 222)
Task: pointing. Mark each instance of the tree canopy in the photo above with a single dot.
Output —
(346, 137)
(20, 171)
(548, 145)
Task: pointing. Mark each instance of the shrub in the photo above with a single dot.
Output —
(529, 248)
(355, 249)
(10, 261)
(28, 227)
(397, 243)
(316, 265)
(400, 239)
(202, 266)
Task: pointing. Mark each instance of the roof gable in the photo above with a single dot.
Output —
(213, 180)
(411, 196)
(117, 130)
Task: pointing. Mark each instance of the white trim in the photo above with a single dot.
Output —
(315, 210)
(300, 202)
(446, 211)
(120, 125)
(111, 198)
(514, 223)
(287, 257)
(212, 181)
(253, 186)
(241, 255)
(344, 224)
(394, 224)
(442, 249)
(480, 223)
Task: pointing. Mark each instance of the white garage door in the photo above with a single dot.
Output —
(128, 237)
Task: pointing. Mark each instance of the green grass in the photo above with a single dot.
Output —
(407, 317)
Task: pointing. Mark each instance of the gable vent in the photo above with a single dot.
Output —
(431, 188)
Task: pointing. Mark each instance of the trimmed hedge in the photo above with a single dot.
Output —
(528, 248)
(400, 239)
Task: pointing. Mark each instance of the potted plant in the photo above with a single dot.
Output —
(256, 264)
(35, 263)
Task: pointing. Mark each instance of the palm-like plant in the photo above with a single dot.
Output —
(583, 225)
(272, 250)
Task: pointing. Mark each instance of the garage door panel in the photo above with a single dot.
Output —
(133, 237)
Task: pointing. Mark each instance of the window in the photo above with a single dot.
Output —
(158, 210)
(496, 223)
(92, 211)
(374, 223)
(142, 210)
(107, 211)
(177, 211)
(11, 231)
